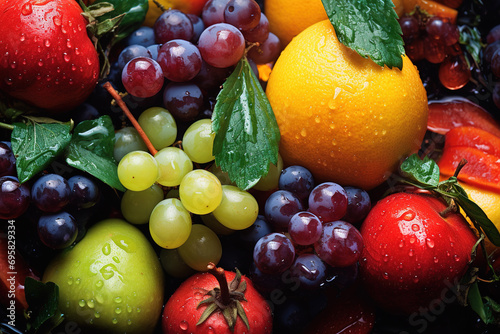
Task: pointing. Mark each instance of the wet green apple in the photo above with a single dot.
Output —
(111, 281)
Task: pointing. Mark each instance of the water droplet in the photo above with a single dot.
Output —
(436, 260)
(81, 303)
(57, 21)
(118, 300)
(184, 325)
(410, 253)
(47, 43)
(138, 310)
(68, 43)
(114, 321)
(415, 279)
(457, 258)
(97, 315)
(26, 9)
(198, 295)
(70, 281)
(400, 266)
(409, 216)
(66, 57)
(99, 284)
(210, 330)
(91, 303)
(129, 309)
(303, 132)
(385, 275)
(430, 243)
(129, 322)
(413, 240)
(23, 38)
(401, 244)
(118, 310)
(99, 299)
(386, 258)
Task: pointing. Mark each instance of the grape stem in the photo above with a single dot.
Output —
(6, 126)
(131, 117)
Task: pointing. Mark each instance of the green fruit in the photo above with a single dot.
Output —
(111, 281)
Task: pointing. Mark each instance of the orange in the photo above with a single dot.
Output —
(488, 201)
(287, 18)
(342, 116)
(186, 6)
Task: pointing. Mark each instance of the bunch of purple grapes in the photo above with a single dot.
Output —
(51, 194)
(185, 57)
(313, 230)
(491, 56)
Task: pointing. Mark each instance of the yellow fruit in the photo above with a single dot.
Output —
(185, 6)
(342, 116)
(111, 281)
(488, 201)
(287, 18)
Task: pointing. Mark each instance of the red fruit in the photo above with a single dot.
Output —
(184, 310)
(481, 169)
(413, 257)
(473, 137)
(47, 58)
(13, 273)
(445, 115)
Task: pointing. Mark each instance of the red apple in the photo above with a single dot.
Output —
(413, 257)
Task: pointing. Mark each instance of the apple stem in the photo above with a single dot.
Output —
(131, 117)
(220, 275)
(452, 208)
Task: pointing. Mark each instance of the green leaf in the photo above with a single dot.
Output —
(369, 27)
(91, 150)
(43, 301)
(477, 304)
(36, 145)
(475, 213)
(246, 134)
(471, 39)
(424, 171)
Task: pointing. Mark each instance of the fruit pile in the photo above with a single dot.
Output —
(243, 166)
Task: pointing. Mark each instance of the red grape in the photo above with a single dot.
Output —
(173, 24)
(213, 12)
(180, 60)
(142, 77)
(243, 14)
(454, 72)
(305, 228)
(274, 253)
(221, 45)
(267, 52)
(328, 201)
(260, 33)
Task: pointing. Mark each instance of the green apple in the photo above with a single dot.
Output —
(111, 281)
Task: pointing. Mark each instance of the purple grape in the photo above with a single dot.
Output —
(297, 179)
(131, 52)
(493, 35)
(258, 34)
(340, 244)
(274, 253)
(265, 283)
(57, 230)
(280, 206)
(153, 51)
(211, 78)
(173, 24)
(243, 14)
(495, 64)
(305, 228)
(221, 45)
(7, 160)
(213, 12)
(358, 205)
(266, 52)
(14, 197)
(259, 229)
(409, 27)
(84, 191)
(341, 277)
(198, 27)
(51, 193)
(180, 60)
(328, 201)
(490, 50)
(142, 77)
(144, 36)
(183, 100)
(310, 271)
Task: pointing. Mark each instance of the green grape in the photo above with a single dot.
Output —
(214, 225)
(238, 208)
(221, 175)
(270, 181)
(159, 125)
(198, 141)
(173, 193)
(173, 264)
(170, 223)
(202, 246)
(136, 206)
(200, 191)
(138, 170)
(126, 141)
(173, 164)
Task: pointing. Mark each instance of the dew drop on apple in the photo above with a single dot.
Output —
(430, 243)
(436, 260)
(410, 253)
(184, 325)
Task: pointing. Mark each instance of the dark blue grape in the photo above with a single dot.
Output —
(280, 207)
(51, 193)
(153, 51)
(58, 230)
(84, 191)
(144, 36)
(183, 100)
(310, 271)
(358, 205)
(7, 160)
(259, 229)
(298, 180)
(14, 197)
(198, 27)
(131, 52)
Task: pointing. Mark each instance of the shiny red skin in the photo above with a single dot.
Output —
(46, 56)
(413, 257)
(180, 314)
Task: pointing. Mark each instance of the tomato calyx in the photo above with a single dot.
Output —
(226, 298)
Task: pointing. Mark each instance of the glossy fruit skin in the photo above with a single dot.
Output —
(180, 314)
(360, 133)
(106, 272)
(411, 253)
(47, 58)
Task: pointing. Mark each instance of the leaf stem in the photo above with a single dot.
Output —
(131, 117)
(220, 275)
(6, 126)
